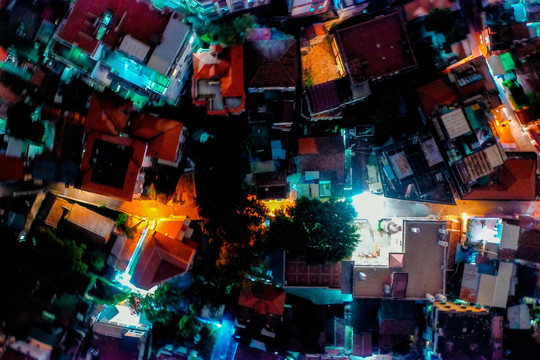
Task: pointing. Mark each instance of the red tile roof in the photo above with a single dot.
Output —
(436, 93)
(3, 54)
(163, 135)
(322, 154)
(315, 30)
(12, 168)
(107, 115)
(324, 96)
(88, 167)
(376, 48)
(162, 258)
(268, 300)
(299, 273)
(517, 182)
(80, 27)
(320, 145)
(272, 63)
(225, 65)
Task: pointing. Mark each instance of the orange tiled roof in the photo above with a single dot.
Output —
(268, 300)
(225, 65)
(518, 182)
(163, 135)
(132, 172)
(162, 258)
(107, 115)
(436, 93)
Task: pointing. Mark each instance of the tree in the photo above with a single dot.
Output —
(205, 345)
(62, 254)
(237, 232)
(322, 231)
(440, 20)
(167, 303)
(224, 31)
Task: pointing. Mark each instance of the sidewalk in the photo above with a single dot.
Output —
(147, 209)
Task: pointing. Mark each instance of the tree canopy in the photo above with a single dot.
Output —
(237, 233)
(225, 31)
(440, 20)
(321, 231)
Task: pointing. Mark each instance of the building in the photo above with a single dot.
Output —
(94, 226)
(20, 350)
(259, 315)
(376, 49)
(414, 169)
(215, 9)
(111, 165)
(303, 8)
(405, 275)
(185, 195)
(321, 284)
(319, 168)
(397, 319)
(118, 334)
(113, 50)
(271, 64)
(167, 253)
(165, 137)
(515, 180)
(218, 80)
(71, 218)
(325, 79)
(271, 185)
(350, 8)
(121, 145)
(468, 144)
(458, 332)
(13, 168)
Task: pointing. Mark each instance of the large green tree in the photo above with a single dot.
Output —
(321, 231)
(238, 231)
(227, 31)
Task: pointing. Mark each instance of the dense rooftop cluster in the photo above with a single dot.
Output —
(256, 179)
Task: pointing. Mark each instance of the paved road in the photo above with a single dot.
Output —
(375, 207)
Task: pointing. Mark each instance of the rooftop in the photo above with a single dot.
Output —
(12, 168)
(271, 63)
(437, 93)
(517, 181)
(376, 48)
(424, 272)
(300, 273)
(163, 135)
(162, 258)
(91, 221)
(301, 8)
(108, 114)
(110, 165)
(267, 300)
(218, 80)
(93, 21)
(120, 345)
(329, 95)
(322, 154)
(320, 54)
